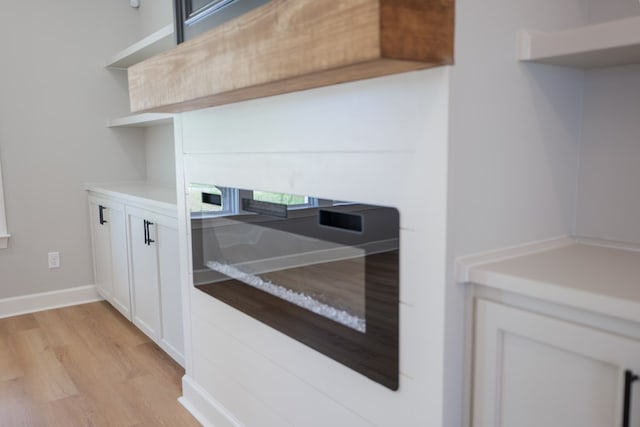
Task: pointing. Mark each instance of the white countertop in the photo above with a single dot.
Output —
(138, 192)
(589, 276)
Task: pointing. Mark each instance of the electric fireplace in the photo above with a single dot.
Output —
(323, 272)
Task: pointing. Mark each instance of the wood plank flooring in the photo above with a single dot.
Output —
(85, 365)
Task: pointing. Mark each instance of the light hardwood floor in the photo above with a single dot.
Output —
(85, 365)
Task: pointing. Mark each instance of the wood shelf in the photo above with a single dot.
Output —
(601, 45)
(291, 45)
(141, 120)
(160, 41)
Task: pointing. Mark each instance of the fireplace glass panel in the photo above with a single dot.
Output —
(324, 272)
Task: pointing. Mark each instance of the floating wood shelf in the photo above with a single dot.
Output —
(160, 41)
(601, 45)
(141, 120)
(291, 45)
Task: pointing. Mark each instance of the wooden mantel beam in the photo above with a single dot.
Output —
(291, 45)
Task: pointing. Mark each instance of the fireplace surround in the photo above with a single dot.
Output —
(323, 272)
(379, 142)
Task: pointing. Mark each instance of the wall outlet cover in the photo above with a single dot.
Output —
(54, 259)
(134, 3)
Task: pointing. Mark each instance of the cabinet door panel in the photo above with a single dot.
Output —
(171, 295)
(101, 249)
(121, 297)
(533, 370)
(144, 274)
(546, 386)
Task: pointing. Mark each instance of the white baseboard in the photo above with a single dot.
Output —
(204, 408)
(48, 300)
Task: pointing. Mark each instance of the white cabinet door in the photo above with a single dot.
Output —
(532, 370)
(101, 240)
(157, 298)
(145, 287)
(109, 237)
(172, 339)
(121, 296)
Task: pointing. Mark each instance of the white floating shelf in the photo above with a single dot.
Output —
(600, 45)
(161, 40)
(140, 120)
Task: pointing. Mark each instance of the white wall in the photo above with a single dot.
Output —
(609, 198)
(160, 157)
(513, 159)
(55, 99)
(607, 10)
(515, 128)
(154, 14)
(609, 201)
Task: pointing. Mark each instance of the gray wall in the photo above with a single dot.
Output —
(160, 155)
(609, 196)
(154, 14)
(55, 96)
(607, 10)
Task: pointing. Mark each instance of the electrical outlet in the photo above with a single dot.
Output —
(134, 3)
(54, 259)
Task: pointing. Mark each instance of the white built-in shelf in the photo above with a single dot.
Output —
(601, 277)
(140, 120)
(600, 45)
(161, 40)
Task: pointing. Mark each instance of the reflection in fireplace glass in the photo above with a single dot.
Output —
(277, 256)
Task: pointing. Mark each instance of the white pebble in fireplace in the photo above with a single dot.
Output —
(381, 141)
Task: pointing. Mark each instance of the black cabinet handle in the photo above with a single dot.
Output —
(147, 234)
(149, 239)
(101, 211)
(629, 379)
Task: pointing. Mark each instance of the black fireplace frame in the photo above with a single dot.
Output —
(373, 353)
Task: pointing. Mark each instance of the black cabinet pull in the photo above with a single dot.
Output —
(147, 234)
(149, 239)
(101, 213)
(629, 379)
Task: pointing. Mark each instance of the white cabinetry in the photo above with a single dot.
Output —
(145, 288)
(534, 370)
(109, 237)
(155, 278)
(556, 335)
(135, 251)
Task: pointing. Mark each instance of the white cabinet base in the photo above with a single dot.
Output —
(533, 370)
(135, 251)
(109, 240)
